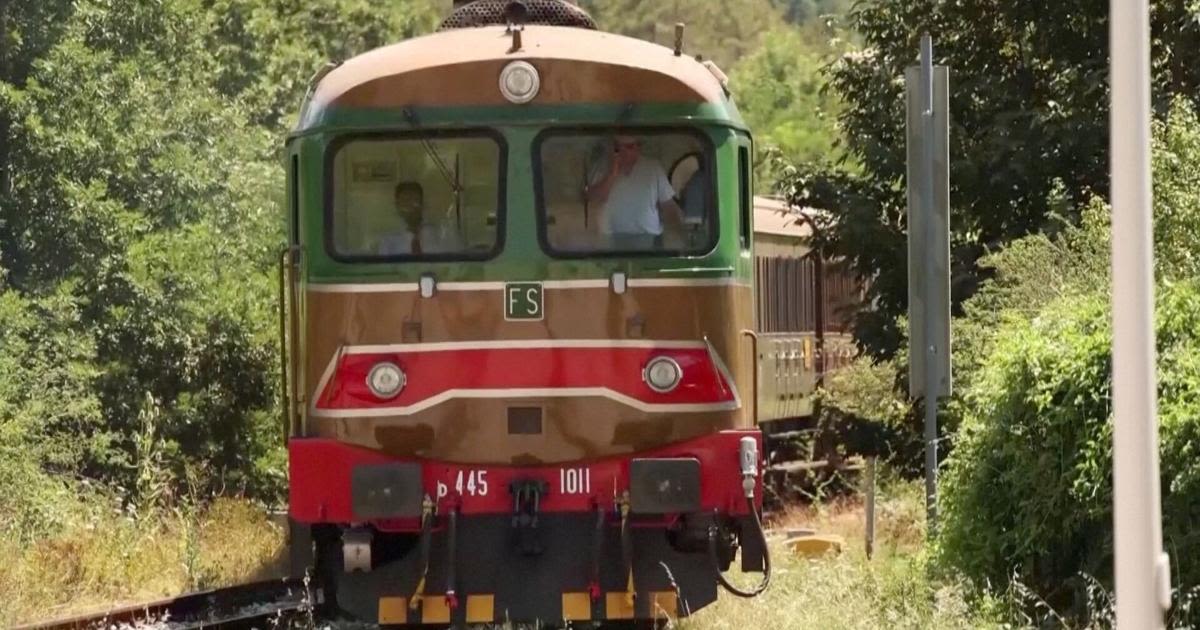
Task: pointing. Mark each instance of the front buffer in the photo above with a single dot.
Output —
(411, 541)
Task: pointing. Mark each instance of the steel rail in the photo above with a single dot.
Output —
(257, 605)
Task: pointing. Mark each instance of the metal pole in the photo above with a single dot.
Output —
(819, 299)
(931, 365)
(1141, 569)
(870, 506)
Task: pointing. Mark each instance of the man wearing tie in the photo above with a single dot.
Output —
(415, 236)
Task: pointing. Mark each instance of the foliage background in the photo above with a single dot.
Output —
(1027, 493)
(1029, 96)
(780, 90)
(140, 184)
(138, 231)
(140, 187)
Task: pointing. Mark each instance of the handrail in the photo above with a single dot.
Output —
(289, 259)
(285, 402)
(697, 270)
(297, 390)
(754, 364)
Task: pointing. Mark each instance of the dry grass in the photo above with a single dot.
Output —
(848, 591)
(899, 520)
(107, 559)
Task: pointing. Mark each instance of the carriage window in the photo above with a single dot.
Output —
(416, 198)
(626, 193)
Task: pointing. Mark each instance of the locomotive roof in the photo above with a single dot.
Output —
(462, 67)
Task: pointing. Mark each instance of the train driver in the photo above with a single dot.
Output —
(416, 235)
(631, 196)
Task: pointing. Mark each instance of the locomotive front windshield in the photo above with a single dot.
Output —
(416, 198)
(620, 193)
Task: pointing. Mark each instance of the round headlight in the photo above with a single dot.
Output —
(519, 82)
(385, 380)
(662, 374)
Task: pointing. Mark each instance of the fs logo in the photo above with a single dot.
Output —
(523, 301)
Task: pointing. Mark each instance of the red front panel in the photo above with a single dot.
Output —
(441, 371)
(321, 469)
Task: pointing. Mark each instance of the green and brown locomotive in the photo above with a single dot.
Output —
(521, 361)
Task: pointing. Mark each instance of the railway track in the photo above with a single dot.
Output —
(273, 604)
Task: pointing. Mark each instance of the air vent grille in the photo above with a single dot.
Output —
(546, 12)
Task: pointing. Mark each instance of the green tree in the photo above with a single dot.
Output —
(267, 50)
(46, 398)
(51, 419)
(120, 145)
(144, 206)
(1029, 94)
(807, 11)
(26, 31)
(722, 31)
(779, 91)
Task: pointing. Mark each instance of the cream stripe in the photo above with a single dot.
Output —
(723, 371)
(510, 344)
(328, 374)
(403, 287)
(594, 283)
(686, 282)
(470, 286)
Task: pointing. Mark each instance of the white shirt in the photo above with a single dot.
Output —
(400, 242)
(632, 205)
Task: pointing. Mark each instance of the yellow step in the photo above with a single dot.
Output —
(815, 545)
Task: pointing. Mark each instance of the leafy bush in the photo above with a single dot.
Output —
(50, 420)
(1026, 484)
(866, 413)
(1027, 493)
(1176, 163)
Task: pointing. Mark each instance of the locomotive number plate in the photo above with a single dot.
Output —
(492, 486)
(523, 301)
(575, 481)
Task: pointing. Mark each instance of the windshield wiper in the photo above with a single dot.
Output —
(451, 180)
(431, 151)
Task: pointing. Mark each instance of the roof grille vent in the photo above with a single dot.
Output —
(493, 12)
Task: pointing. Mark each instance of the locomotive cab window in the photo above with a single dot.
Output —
(625, 192)
(415, 198)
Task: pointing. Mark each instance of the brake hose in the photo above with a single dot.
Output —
(748, 455)
(762, 537)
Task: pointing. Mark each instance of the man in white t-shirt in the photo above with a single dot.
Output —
(631, 196)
